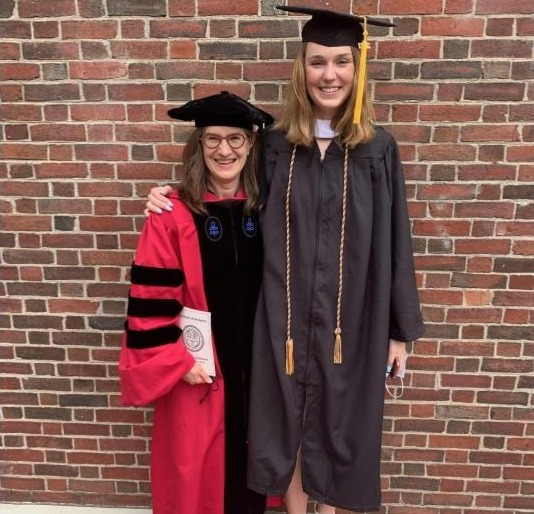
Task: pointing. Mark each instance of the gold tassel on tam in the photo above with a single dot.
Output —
(290, 362)
(338, 351)
(363, 46)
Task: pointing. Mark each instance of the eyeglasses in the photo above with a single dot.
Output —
(234, 141)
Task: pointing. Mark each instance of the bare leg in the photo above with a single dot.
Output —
(323, 508)
(297, 500)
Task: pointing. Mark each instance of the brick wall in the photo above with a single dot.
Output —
(85, 88)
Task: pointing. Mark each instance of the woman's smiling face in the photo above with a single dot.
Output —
(329, 77)
(225, 163)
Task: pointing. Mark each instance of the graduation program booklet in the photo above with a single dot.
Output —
(196, 334)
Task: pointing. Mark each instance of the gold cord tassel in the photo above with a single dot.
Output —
(338, 350)
(363, 46)
(290, 362)
(290, 359)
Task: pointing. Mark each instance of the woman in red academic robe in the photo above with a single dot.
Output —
(205, 253)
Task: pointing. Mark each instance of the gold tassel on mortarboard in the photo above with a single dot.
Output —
(363, 46)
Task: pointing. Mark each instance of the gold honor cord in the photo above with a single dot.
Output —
(338, 350)
(363, 46)
(290, 359)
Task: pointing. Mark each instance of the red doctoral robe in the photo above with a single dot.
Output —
(187, 457)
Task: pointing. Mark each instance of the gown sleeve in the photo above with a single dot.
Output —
(153, 357)
(406, 323)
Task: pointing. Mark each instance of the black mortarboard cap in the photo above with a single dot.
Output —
(224, 109)
(331, 28)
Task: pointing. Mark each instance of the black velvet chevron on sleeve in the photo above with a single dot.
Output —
(151, 276)
(141, 339)
(150, 307)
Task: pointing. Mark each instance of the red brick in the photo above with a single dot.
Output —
(147, 171)
(515, 48)
(138, 49)
(60, 152)
(51, 50)
(186, 28)
(23, 151)
(449, 112)
(48, 29)
(97, 70)
(51, 92)
(85, 29)
(214, 7)
(19, 71)
(144, 133)
(458, 6)
(61, 170)
(10, 51)
(15, 29)
(98, 112)
(452, 26)
(103, 189)
(446, 152)
(181, 8)
(103, 258)
(108, 152)
(488, 132)
(420, 49)
(496, 91)
(520, 153)
(132, 29)
(182, 49)
(135, 92)
(169, 153)
(185, 70)
(410, 8)
(100, 133)
(39, 9)
(67, 132)
(272, 71)
(105, 224)
(498, 7)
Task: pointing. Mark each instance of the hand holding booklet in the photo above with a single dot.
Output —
(196, 334)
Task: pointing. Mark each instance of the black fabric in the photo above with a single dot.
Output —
(331, 28)
(232, 271)
(224, 109)
(150, 307)
(332, 411)
(149, 276)
(142, 339)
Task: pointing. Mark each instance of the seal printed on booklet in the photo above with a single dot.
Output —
(196, 334)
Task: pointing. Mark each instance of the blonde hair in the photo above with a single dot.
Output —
(297, 119)
(194, 185)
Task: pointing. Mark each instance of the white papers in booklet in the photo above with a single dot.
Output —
(196, 334)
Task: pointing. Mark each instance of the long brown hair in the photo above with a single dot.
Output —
(297, 119)
(194, 185)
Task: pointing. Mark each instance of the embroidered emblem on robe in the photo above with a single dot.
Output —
(250, 227)
(213, 228)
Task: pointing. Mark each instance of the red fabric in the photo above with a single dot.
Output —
(275, 501)
(187, 459)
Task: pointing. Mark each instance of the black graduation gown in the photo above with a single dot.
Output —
(230, 245)
(332, 411)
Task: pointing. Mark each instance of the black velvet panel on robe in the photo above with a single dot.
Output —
(231, 249)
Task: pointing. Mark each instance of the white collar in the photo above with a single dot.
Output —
(323, 129)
